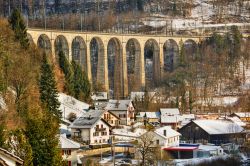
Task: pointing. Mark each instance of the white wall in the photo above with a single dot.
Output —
(72, 157)
(99, 137)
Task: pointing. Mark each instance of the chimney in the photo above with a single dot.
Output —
(165, 133)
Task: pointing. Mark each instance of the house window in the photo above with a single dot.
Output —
(100, 141)
(105, 116)
(102, 126)
(97, 126)
(67, 152)
(103, 140)
(157, 142)
(112, 122)
(95, 141)
(95, 134)
(104, 133)
(69, 163)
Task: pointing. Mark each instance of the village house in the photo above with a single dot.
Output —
(100, 99)
(9, 159)
(69, 150)
(111, 118)
(189, 151)
(170, 117)
(244, 116)
(148, 116)
(91, 128)
(212, 131)
(163, 137)
(123, 109)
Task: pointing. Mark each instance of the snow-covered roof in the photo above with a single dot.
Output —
(219, 126)
(170, 118)
(235, 119)
(187, 116)
(100, 96)
(127, 133)
(152, 115)
(84, 122)
(169, 111)
(69, 104)
(88, 119)
(93, 113)
(169, 132)
(209, 147)
(140, 95)
(242, 114)
(117, 105)
(11, 155)
(66, 143)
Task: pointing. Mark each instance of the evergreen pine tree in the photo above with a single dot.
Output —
(66, 68)
(20, 146)
(82, 87)
(42, 136)
(48, 91)
(77, 79)
(18, 26)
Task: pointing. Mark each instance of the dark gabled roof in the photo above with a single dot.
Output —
(88, 119)
(106, 122)
(216, 127)
(11, 155)
(113, 114)
(84, 122)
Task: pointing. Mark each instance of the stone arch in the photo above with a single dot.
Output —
(61, 44)
(79, 52)
(133, 55)
(152, 63)
(44, 43)
(170, 55)
(190, 48)
(97, 61)
(115, 68)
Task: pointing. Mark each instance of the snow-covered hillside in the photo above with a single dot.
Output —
(69, 104)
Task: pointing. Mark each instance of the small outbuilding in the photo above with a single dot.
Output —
(212, 131)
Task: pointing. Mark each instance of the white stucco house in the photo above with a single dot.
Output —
(163, 137)
(123, 109)
(9, 159)
(69, 150)
(91, 128)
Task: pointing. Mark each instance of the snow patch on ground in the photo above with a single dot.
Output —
(69, 104)
(2, 103)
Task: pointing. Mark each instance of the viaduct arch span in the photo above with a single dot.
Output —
(115, 61)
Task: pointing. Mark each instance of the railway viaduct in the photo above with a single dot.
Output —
(110, 62)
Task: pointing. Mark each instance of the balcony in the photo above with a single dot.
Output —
(100, 129)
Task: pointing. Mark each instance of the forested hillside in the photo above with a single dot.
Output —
(28, 123)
